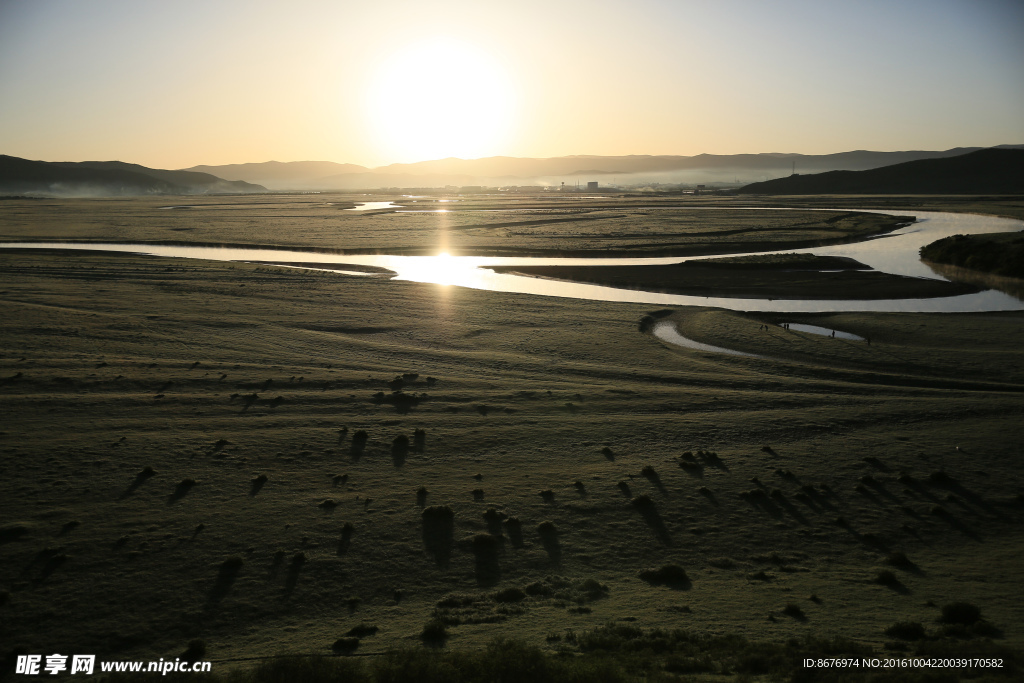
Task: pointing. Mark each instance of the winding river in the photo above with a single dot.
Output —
(895, 253)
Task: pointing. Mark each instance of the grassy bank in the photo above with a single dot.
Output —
(1000, 254)
(789, 276)
(478, 226)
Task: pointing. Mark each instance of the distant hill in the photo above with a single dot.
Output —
(107, 178)
(622, 170)
(986, 171)
(278, 175)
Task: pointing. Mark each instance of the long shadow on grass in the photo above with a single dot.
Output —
(549, 539)
(645, 506)
(486, 552)
(140, 479)
(652, 476)
(181, 489)
(438, 533)
(514, 528)
(346, 538)
(759, 500)
(294, 569)
(226, 575)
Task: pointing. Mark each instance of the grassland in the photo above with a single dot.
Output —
(184, 457)
(560, 226)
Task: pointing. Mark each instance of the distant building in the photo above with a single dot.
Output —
(592, 186)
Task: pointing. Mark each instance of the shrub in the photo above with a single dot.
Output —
(509, 595)
(906, 630)
(345, 645)
(195, 651)
(887, 578)
(963, 613)
(642, 502)
(793, 610)
(434, 631)
(668, 575)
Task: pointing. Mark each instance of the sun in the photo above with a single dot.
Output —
(440, 98)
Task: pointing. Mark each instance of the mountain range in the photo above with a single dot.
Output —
(733, 169)
(959, 170)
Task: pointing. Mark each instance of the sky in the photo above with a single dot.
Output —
(178, 84)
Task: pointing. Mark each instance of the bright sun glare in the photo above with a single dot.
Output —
(440, 99)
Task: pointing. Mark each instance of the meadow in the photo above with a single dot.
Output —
(270, 460)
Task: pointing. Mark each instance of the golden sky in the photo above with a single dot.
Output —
(176, 84)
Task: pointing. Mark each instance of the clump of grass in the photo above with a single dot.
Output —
(793, 610)
(345, 645)
(509, 595)
(419, 440)
(671, 575)
(940, 477)
(434, 631)
(900, 560)
(887, 578)
(328, 504)
(642, 502)
(961, 613)
(362, 631)
(548, 496)
(340, 479)
(906, 630)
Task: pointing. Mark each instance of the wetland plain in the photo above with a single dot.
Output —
(268, 458)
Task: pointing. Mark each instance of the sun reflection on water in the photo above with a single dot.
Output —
(443, 269)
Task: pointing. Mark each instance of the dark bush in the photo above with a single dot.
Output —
(906, 630)
(963, 613)
(668, 575)
(362, 631)
(887, 578)
(509, 595)
(345, 645)
(793, 610)
(434, 631)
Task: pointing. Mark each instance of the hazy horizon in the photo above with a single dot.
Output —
(401, 82)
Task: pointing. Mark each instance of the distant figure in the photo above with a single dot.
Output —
(868, 340)
(833, 334)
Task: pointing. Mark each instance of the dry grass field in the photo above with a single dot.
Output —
(266, 458)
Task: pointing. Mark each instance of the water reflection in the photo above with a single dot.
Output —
(666, 331)
(825, 331)
(374, 206)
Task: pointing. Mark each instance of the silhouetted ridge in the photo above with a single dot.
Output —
(107, 178)
(986, 171)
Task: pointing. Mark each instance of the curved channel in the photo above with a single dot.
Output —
(896, 253)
